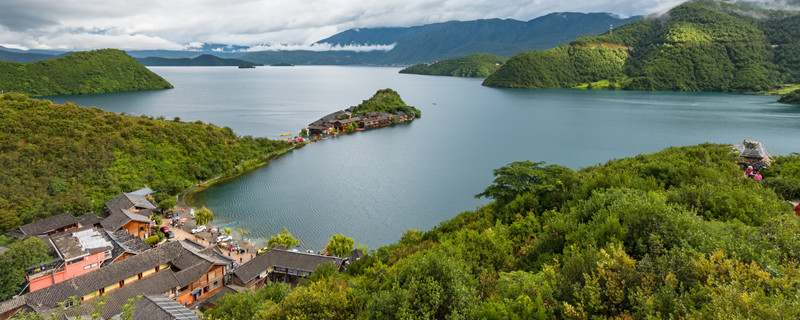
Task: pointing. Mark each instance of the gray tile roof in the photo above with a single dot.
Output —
(279, 257)
(44, 226)
(119, 212)
(158, 284)
(81, 242)
(88, 219)
(159, 307)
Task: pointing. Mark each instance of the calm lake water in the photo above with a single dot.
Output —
(374, 185)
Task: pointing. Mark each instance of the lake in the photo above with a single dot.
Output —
(374, 185)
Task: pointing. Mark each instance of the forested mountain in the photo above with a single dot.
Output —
(451, 39)
(66, 158)
(202, 60)
(96, 71)
(678, 234)
(476, 65)
(702, 45)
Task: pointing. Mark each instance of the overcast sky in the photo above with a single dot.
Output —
(176, 24)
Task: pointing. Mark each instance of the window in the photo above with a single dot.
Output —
(140, 276)
(102, 290)
(122, 283)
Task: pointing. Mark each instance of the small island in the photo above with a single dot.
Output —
(383, 109)
(791, 97)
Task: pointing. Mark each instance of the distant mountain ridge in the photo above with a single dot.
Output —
(201, 60)
(439, 41)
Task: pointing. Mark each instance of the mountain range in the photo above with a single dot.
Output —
(702, 45)
(409, 45)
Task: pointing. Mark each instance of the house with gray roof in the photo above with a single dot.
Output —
(184, 271)
(47, 226)
(279, 264)
(128, 211)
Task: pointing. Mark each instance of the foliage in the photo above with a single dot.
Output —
(203, 216)
(20, 254)
(675, 234)
(284, 238)
(96, 71)
(340, 245)
(152, 239)
(696, 46)
(387, 101)
(304, 132)
(476, 65)
(246, 304)
(791, 97)
(65, 158)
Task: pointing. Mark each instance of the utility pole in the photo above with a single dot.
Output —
(611, 30)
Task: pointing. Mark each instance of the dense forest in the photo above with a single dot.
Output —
(97, 71)
(680, 233)
(791, 97)
(388, 101)
(476, 65)
(66, 158)
(702, 45)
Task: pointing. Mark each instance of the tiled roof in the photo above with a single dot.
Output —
(160, 307)
(229, 289)
(158, 283)
(12, 304)
(44, 226)
(88, 219)
(119, 212)
(278, 257)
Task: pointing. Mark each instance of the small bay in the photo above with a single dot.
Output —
(376, 184)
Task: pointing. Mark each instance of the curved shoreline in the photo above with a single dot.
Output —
(248, 166)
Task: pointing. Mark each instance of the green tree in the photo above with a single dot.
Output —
(303, 132)
(203, 216)
(339, 245)
(246, 304)
(284, 238)
(20, 254)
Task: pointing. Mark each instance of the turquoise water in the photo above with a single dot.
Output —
(374, 185)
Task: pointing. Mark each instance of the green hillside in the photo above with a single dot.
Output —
(702, 45)
(57, 158)
(97, 71)
(387, 101)
(791, 97)
(678, 234)
(476, 65)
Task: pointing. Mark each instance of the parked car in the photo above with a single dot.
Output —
(191, 213)
(262, 250)
(198, 229)
(224, 237)
(164, 229)
(169, 234)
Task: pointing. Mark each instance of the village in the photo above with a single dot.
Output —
(109, 256)
(348, 121)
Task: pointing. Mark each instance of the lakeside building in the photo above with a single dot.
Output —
(45, 227)
(130, 212)
(184, 271)
(339, 120)
(280, 265)
(80, 251)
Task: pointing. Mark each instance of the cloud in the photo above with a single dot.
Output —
(323, 47)
(158, 24)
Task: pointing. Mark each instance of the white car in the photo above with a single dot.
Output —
(198, 229)
(224, 238)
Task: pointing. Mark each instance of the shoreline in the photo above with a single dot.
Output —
(184, 198)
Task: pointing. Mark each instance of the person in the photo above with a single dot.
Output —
(749, 172)
(757, 176)
(797, 209)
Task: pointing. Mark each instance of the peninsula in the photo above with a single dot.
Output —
(476, 65)
(383, 109)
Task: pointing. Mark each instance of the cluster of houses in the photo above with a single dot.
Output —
(341, 119)
(105, 255)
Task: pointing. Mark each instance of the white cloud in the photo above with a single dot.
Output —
(158, 24)
(322, 47)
